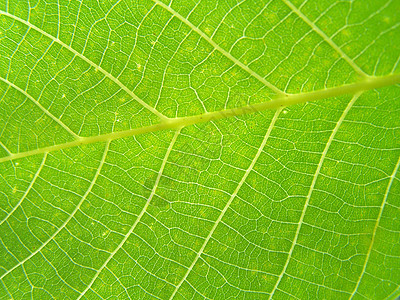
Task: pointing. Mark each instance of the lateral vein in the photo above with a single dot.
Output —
(48, 113)
(97, 67)
(307, 202)
(233, 196)
(326, 38)
(384, 201)
(103, 159)
(219, 48)
(139, 217)
(27, 190)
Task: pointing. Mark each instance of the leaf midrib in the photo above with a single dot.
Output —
(369, 83)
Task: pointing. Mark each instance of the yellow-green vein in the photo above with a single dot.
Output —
(282, 101)
(48, 113)
(392, 177)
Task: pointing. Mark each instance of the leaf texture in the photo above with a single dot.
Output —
(199, 149)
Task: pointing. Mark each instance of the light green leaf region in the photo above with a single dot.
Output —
(219, 149)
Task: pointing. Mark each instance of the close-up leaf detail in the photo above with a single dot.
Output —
(199, 149)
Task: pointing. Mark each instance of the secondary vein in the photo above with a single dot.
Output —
(47, 112)
(227, 205)
(78, 206)
(139, 217)
(326, 38)
(311, 190)
(219, 48)
(384, 201)
(84, 58)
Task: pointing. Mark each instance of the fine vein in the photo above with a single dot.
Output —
(48, 113)
(160, 172)
(27, 190)
(103, 159)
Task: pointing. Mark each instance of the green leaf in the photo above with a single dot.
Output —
(199, 149)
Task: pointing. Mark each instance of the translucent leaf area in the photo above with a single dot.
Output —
(199, 149)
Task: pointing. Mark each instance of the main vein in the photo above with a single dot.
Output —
(282, 101)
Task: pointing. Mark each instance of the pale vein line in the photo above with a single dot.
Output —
(316, 174)
(219, 48)
(233, 196)
(58, 19)
(28, 189)
(394, 295)
(392, 177)
(76, 53)
(5, 148)
(153, 191)
(326, 38)
(283, 101)
(70, 216)
(56, 271)
(6, 289)
(54, 118)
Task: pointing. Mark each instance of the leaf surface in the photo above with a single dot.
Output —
(199, 149)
